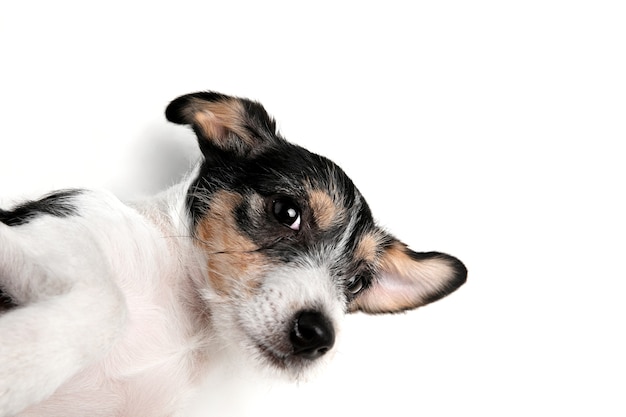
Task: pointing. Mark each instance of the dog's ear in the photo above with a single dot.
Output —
(224, 124)
(405, 280)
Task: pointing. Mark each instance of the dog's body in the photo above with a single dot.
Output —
(109, 309)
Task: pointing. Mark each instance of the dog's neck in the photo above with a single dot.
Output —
(163, 211)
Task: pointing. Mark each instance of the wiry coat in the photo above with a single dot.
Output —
(118, 310)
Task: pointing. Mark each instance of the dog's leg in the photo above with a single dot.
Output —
(67, 316)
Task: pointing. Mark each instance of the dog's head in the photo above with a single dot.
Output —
(290, 242)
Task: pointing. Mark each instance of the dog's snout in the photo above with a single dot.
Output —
(312, 335)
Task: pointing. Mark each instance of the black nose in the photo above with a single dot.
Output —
(312, 335)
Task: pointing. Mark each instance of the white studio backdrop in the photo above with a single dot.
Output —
(491, 130)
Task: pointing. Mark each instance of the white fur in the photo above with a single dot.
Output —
(103, 327)
(263, 319)
(108, 328)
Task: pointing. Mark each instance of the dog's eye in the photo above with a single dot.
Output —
(355, 284)
(287, 212)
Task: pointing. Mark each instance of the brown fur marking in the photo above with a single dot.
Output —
(325, 211)
(233, 264)
(413, 281)
(368, 248)
(218, 119)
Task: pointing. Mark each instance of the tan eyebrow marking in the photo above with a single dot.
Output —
(325, 212)
(368, 248)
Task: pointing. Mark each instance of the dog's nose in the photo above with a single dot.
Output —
(312, 335)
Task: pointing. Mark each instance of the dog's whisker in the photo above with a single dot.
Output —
(225, 251)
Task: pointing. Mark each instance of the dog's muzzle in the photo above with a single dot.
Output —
(312, 335)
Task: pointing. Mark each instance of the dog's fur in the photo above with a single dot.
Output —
(109, 309)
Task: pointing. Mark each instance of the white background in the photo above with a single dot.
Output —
(490, 130)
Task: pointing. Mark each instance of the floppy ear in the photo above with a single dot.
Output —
(224, 124)
(406, 280)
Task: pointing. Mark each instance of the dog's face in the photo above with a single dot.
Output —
(290, 242)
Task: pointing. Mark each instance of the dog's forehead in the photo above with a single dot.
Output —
(330, 194)
(337, 224)
(294, 171)
(291, 166)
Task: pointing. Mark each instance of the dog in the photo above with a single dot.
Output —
(112, 309)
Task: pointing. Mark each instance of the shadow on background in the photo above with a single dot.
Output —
(160, 158)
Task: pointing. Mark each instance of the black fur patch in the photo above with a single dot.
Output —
(283, 169)
(6, 302)
(58, 204)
